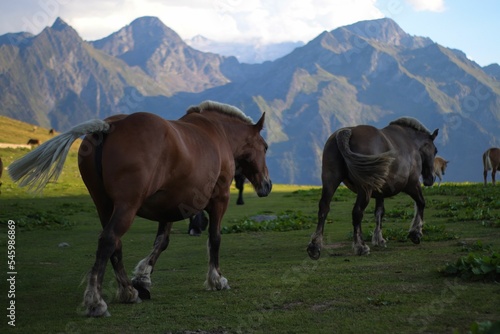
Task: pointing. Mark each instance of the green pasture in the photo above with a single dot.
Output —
(275, 287)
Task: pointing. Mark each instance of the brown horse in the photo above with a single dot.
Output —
(439, 168)
(376, 163)
(143, 165)
(491, 161)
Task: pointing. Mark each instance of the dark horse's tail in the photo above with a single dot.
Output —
(366, 171)
(45, 163)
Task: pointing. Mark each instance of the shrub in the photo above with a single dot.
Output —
(286, 221)
(475, 267)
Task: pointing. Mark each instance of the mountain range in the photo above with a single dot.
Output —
(250, 52)
(370, 72)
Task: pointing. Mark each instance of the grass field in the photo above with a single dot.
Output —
(275, 287)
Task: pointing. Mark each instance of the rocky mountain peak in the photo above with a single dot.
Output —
(386, 31)
(60, 25)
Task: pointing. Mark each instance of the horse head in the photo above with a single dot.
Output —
(252, 159)
(428, 152)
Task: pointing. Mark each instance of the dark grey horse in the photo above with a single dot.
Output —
(376, 163)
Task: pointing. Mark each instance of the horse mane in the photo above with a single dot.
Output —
(410, 122)
(221, 108)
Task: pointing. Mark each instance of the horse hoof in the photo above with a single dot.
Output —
(414, 237)
(223, 284)
(143, 292)
(313, 251)
(361, 249)
(194, 233)
(98, 313)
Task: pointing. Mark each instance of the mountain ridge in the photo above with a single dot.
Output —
(370, 72)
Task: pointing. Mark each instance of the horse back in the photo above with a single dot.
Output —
(368, 140)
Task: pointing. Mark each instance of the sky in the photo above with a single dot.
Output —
(470, 26)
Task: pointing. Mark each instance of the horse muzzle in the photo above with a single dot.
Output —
(428, 181)
(265, 188)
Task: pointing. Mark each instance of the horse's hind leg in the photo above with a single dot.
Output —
(143, 270)
(362, 201)
(126, 292)
(327, 192)
(378, 239)
(109, 245)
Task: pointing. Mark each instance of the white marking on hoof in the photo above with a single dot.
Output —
(95, 305)
(142, 274)
(361, 249)
(215, 281)
(128, 295)
(378, 240)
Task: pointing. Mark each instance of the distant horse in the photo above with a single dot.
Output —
(33, 141)
(239, 180)
(439, 168)
(141, 164)
(491, 161)
(376, 163)
(52, 132)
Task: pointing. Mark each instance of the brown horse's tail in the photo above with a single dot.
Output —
(45, 163)
(366, 171)
(487, 161)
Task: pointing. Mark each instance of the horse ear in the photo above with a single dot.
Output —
(260, 124)
(434, 134)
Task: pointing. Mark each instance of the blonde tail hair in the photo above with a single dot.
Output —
(46, 162)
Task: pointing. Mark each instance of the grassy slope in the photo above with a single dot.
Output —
(16, 132)
(276, 288)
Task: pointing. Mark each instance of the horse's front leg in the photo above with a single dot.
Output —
(378, 239)
(215, 280)
(415, 232)
(143, 270)
(362, 200)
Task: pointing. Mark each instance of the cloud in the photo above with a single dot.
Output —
(285, 20)
(223, 20)
(427, 5)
